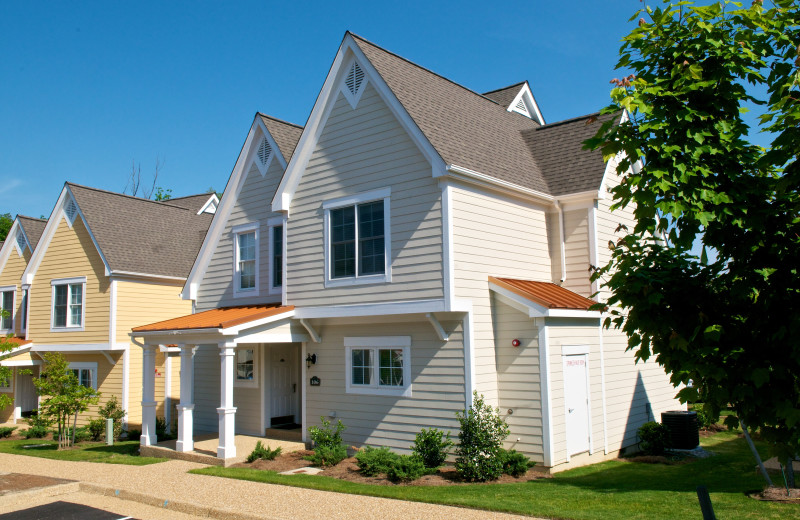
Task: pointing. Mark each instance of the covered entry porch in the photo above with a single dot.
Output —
(241, 373)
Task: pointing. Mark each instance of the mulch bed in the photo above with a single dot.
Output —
(348, 470)
(778, 494)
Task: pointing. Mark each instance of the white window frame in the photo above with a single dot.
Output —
(13, 290)
(10, 388)
(252, 227)
(86, 365)
(353, 200)
(274, 223)
(67, 281)
(246, 383)
(26, 296)
(377, 343)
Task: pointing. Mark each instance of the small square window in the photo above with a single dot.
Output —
(86, 372)
(383, 369)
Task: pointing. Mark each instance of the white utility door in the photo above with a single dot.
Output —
(576, 393)
(283, 381)
(26, 399)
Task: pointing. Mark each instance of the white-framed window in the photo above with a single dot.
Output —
(86, 372)
(6, 384)
(357, 239)
(378, 365)
(24, 310)
(7, 297)
(68, 304)
(276, 247)
(245, 262)
(246, 367)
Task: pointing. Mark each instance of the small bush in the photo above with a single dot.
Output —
(134, 435)
(112, 410)
(6, 431)
(325, 456)
(35, 432)
(373, 461)
(515, 463)
(480, 440)
(704, 419)
(431, 447)
(326, 435)
(97, 429)
(653, 438)
(406, 468)
(265, 453)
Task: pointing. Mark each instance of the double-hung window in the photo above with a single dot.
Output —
(7, 306)
(378, 365)
(86, 373)
(68, 303)
(245, 241)
(358, 242)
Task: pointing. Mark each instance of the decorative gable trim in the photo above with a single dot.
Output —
(348, 52)
(525, 104)
(210, 206)
(10, 244)
(354, 82)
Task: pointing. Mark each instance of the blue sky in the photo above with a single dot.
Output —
(87, 88)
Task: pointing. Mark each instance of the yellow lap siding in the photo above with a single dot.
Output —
(11, 275)
(140, 303)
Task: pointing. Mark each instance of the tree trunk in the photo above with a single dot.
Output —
(755, 453)
(790, 471)
(74, 425)
(60, 435)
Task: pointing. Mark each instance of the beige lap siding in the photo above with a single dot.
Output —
(576, 249)
(494, 235)
(11, 274)
(359, 151)
(206, 388)
(71, 253)
(437, 378)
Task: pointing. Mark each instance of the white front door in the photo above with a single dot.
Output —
(576, 390)
(283, 381)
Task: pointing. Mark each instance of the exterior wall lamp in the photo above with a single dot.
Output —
(311, 359)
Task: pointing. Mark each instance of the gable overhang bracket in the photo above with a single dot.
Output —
(108, 357)
(443, 335)
(315, 337)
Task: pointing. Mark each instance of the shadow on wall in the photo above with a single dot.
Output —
(640, 412)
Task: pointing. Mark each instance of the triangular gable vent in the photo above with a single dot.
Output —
(521, 108)
(71, 210)
(354, 83)
(21, 243)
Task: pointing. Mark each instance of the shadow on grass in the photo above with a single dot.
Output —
(124, 448)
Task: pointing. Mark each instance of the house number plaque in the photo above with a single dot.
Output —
(315, 381)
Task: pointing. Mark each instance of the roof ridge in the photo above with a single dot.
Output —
(262, 114)
(429, 71)
(142, 199)
(565, 121)
(505, 88)
(209, 193)
(31, 218)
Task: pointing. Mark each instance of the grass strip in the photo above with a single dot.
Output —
(124, 452)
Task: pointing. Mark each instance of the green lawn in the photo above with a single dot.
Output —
(614, 489)
(126, 452)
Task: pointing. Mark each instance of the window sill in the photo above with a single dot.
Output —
(245, 293)
(361, 280)
(66, 329)
(245, 383)
(371, 390)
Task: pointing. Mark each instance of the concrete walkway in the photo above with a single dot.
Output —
(168, 484)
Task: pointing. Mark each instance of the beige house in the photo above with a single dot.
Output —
(414, 243)
(105, 262)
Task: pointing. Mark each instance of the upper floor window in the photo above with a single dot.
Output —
(68, 303)
(7, 307)
(358, 241)
(24, 309)
(246, 259)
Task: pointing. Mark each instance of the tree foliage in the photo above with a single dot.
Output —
(6, 221)
(727, 321)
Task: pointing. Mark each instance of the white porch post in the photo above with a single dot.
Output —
(148, 396)
(226, 411)
(186, 408)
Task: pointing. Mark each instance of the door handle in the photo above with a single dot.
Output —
(571, 410)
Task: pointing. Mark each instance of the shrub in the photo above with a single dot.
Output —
(653, 438)
(406, 469)
(37, 427)
(81, 434)
(260, 452)
(328, 455)
(515, 463)
(97, 429)
(134, 435)
(112, 410)
(704, 420)
(6, 431)
(480, 439)
(325, 435)
(431, 447)
(373, 461)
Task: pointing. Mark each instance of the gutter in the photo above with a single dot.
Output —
(474, 177)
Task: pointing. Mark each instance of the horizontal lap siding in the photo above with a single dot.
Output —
(142, 303)
(253, 204)
(71, 253)
(576, 252)
(11, 275)
(358, 151)
(518, 379)
(206, 388)
(437, 379)
(109, 382)
(494, 235)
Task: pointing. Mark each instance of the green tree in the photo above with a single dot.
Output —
(6, 220)
(6, 373)
(727, 319)
(63, 397)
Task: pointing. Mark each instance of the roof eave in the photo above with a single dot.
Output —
(481, 179)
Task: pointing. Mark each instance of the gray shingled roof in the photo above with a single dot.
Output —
(286, 135)
(473, 131)
(33, 227)
(192, 202)
(140, 235)
(504, 96)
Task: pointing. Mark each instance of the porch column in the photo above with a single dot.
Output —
(186, 408)
(148, 396)
(226, 411)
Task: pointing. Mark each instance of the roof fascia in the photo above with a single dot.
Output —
(10, 244)
(526, 94)
(323, 106)
(237, 329)
(481, 179)
(131, 275)
(224, 209)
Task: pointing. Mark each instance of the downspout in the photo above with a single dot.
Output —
(562, 241)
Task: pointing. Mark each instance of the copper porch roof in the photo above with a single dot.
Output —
(545, 294)
(16, 340)
(221, 318)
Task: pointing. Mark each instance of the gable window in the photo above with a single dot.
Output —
(245, 239)
(246, 367)
(86, 374)
(7, 306)
(357, 230)
(378, 365)
(68, 304)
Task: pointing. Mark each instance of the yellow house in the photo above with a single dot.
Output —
(106, 262)
(15, 254)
